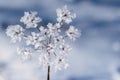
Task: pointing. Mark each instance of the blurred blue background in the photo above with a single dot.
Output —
(95, 55)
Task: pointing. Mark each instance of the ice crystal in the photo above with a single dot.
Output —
(30, 19)
(65, 15)
(16, 32)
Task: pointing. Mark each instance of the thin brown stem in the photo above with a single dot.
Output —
(48, 74)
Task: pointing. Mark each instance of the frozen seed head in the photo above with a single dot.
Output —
(50, 42)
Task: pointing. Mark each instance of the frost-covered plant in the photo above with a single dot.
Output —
(49, 42)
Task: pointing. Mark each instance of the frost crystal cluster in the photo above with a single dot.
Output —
(48, 41)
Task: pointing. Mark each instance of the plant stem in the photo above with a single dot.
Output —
(48, 74)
